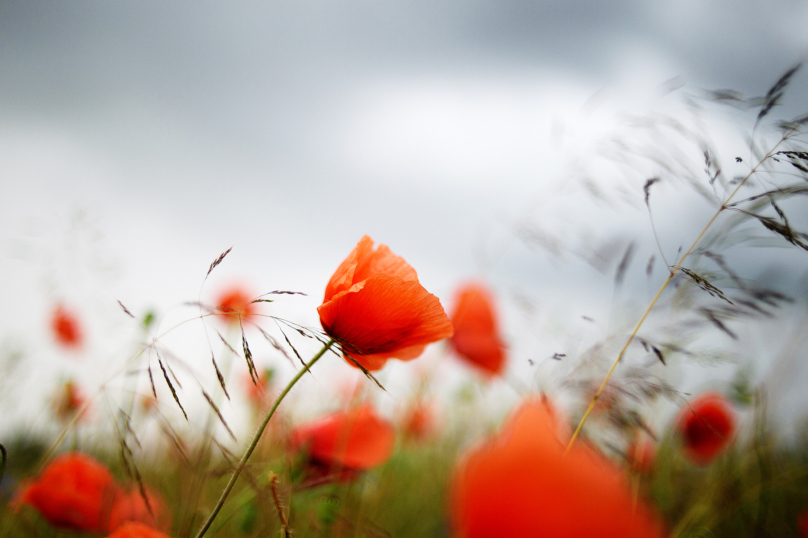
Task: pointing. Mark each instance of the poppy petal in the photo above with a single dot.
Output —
(357, 439)
(384, 313)
(377, 361)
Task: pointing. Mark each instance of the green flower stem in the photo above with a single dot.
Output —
(257, 437)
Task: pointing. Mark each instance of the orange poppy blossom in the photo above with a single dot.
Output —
(135, 529)
(376, 309)
(707, 427)
(346, 442)
(235, 303)
(476, 335)
(130, 506)
(73, 492)
(521, 484)
(66, 327)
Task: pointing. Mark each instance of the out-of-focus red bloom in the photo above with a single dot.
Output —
(707, 426)
(476, 335)
(73, 492)
(257, 393)
(130, 506)
(135, 529)
(66, 327)
(641, 454)
(802, 523)
(419, 421)
(521, 485)
(376, 309)
(68, 401)
(235, 304)
(347, 441)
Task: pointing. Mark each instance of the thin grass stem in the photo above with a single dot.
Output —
(665, 285)
(257, 437)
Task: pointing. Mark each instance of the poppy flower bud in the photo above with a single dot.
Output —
(476, 335)
(707, 427)
(346, 442)
(521, 484)
(376, 309)
(73, 492)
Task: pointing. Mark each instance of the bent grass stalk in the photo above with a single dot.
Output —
(665, 285)
(257, 437)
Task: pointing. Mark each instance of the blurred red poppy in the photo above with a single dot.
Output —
(66, 327)
(135, 529)
(521, 484)
(476, 335)
(234, 304)
(68, 401)
(641, 454)
(419, 421)
(376, 309)
(346, 442)
(258, 393)
(802, 524)
(73, 492)
(707, 426)
(130, 506)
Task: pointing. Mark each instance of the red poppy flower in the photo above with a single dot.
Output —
(135, 529)
(641, 454)
(66, 327)
(521, 484)
(376, 309)
(802, 524)
(476, 336)
(707, 426)
(130, 506)
(68, 401)
(235, 303)
(73, 492)
(353, 440)
(419, 421)
(258, 393)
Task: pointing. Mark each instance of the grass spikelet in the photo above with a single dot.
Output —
(126, 310)
(219, 375)
(171, 387)
(217, 261)
(218, 414)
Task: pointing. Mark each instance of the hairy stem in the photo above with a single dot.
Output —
(257, 437)
(665, 285)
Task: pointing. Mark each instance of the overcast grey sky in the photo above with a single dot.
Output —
(290, 129)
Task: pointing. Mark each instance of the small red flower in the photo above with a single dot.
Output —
(521, 485)
(419, 421)
(352, 441)
(130, 506)
(235, 304)
(707, 426)
(135, 529)
(258, 393)
(66, 327)
(476, 335)
(641, 454)
(68, 401)
(73, 492)
(376, 309)
(802, 524)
